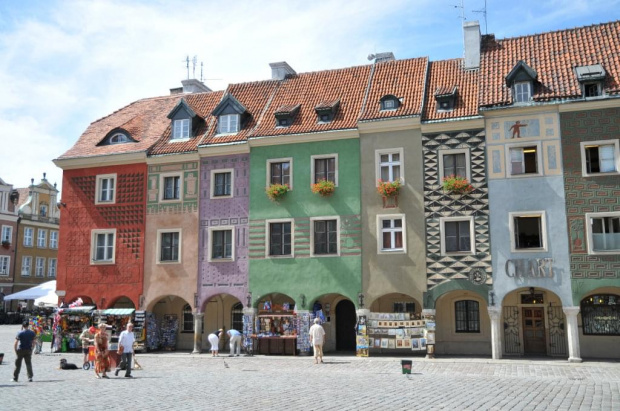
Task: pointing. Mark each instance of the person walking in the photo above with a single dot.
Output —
(125, 349)
(87, 338)
(317, 337)
(235, 342)
(24, 343)
(102, 355)
(214, 340)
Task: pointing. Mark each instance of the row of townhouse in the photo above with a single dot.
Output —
(165, 206)
(29, 218)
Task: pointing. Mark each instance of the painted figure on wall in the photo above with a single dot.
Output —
(516, 129)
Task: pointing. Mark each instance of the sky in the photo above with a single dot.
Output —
(65, 64)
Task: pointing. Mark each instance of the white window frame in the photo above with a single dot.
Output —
(52, 267)
(380, 219)
(41, 238)
(39, 270)
(268, 235)
(338, 243)
(584, 167)
(543, 224)
(181, 129)
(28, 239)
(93, 246)
(279, 160)
(5, 265)
(232, 182)
(465, 151)
(224, 124)
(472, 235)
(210, 244)
(518, 93)
(322, 157)
(164, 231)
(396, 150)
(7, 233)
(98, 188)
(589, 217)
(118, 138)
(26, 266)
(43, 210)
(54, 239)
(539, 155)
(162, 188)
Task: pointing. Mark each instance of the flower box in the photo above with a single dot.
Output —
(276, 191)
(456, 185)
(389, 188)
(324, 188)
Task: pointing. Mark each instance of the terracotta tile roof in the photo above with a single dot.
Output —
(443, 77)
(311, 89)
(288, 109)
(404, 79)
(554, 56)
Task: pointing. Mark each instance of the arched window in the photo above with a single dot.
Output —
(119, 138)
(188, 319)
(467, 315)
(236, 317)
(600, 314)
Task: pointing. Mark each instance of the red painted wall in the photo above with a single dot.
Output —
(104, 284)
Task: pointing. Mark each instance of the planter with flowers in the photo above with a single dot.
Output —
(456, 185)
(6, 244)
(324, 188)
(276, 191)
(389, 191)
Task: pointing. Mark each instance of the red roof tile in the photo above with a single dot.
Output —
(554, 56)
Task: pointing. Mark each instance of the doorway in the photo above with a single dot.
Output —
(534, 341)
(346, 319)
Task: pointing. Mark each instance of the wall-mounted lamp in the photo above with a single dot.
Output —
(195, 300)
(302, 298)
(492, 298)
(61, 204)
(360, 300)
(249, 300)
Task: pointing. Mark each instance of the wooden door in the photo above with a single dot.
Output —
(534, 331)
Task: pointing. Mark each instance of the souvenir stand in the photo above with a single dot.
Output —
(392, 333)
(152, 332)
(276, 329)
(139, 330)
(169, 330)
(68, 325)
(116, 319)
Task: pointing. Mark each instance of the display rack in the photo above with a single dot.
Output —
(403, 332)
(152, 332)
(169, 329)
(276, 334)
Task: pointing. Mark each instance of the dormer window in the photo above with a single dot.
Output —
(445, 97)
(119, 138)
(591, 90)
(116, 136)
(228, 123)
(326, 111)
(389, 102)
(181, 129)
(285, 115)
(522, 92)
(283, 122)
(591, 79)
(184, 121)
(521, 80)
(231, 115)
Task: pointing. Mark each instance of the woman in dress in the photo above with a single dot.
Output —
(102, 360)
(214, 340)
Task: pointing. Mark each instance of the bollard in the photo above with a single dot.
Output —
(406, 364)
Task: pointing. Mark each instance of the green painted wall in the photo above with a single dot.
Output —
(303, 274)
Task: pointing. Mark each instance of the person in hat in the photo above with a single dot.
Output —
(87, 338)
(102, 360)
(317, 337)
(24, 343)
(214, 340)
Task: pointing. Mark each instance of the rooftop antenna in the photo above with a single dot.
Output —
(462, 7)
(201, 67)
(194, 62)
(484, 14)
(187, 65)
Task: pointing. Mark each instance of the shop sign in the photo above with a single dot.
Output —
(530, 268)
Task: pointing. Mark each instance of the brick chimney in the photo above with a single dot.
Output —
(471, 37)
(280, 70)
(381, 57)
(190, 86)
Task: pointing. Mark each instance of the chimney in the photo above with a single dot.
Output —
(381, 57)
(471, 39)
(194, 86)
(281, 70)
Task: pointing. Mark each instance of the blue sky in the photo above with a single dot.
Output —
(64, 64)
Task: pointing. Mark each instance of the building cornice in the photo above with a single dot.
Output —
(100, 161)
(35, 223)
(590, 105)
(521, 110)
(396, 124)
(438, 127)
(303, 138)
(223, 149)
(8, 218)
(172, 158)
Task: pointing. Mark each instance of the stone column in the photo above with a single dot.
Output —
(198, 321)
(495, 314)
(572, 333)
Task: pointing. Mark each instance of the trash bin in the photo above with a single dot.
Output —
(406, 364)
(1, 357)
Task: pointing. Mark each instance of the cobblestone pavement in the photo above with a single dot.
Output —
(195, 382)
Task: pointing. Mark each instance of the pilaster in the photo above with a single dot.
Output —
(198, 321)
(572, 331)
(495, 314)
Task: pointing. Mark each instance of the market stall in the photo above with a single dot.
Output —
(393, 333)
(68, 325)
(276, 329)
(116, 319)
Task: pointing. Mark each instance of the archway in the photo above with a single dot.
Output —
(346, 318)
(599, 323)
(221, 311)
(169, 324)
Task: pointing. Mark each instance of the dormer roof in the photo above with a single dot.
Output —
(593, 72)
(327, 106)
(521, 72)
(229, 101)
(182, 105)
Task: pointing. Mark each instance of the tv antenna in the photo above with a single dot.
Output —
(462, 7)
(194, 62)
(484, 14)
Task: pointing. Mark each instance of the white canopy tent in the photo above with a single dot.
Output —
(42, 294)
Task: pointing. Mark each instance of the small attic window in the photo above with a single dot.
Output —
(283, 122)
(285, 115)
(326, 111)
(389, 102)
(118, 138)
(445, 97)
(591, 79)
(181, 129)
(522, 92)
(228, 123)
(521, 81)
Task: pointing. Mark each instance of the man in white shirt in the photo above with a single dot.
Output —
(126, 341)
(317, 337)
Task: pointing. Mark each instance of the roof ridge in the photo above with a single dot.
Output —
(366, 93)
(558, 31)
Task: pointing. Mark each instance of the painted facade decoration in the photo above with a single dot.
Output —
(9, 199)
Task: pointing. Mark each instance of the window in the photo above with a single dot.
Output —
(181, 129)
(280, 238)
(40, 267)
(222, 183)
(236, 317)
(524, 160)
(171, 187)
(456, 235)
(169, 246)
(7, 233)
(325, 236)
(391, 233)
(389, 164)
(54, 239)
(599, 157)
(26, 266)
(43, 210)
(591, 89)
(279, 171)
(119, 138)
(51, 267)
(603, 230)
(42, 238)
(102, 246)
(221, 240)
(105, 188)
(528, 231)
(389, 104)
(228, 123)
(325, 168)
(28, 234)
(5, 265)
(188, 319)
(522, 92)
(283, 122)
(600, 314)
(467, 315)
(403, 307)
(454, 162)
